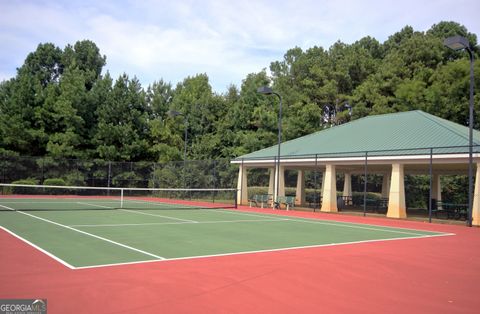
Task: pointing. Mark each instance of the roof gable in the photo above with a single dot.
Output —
(395, 131)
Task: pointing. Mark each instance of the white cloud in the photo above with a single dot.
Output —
(226, 39)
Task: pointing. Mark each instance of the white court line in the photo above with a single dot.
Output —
(180, 223)
(340, 224)
(161, 216)
(162, 204)
(91, 235)
(247, 252)
(95, 205)
(10, 209)
(61, 261)
(136, 212)
(265, 251)
(39, 201)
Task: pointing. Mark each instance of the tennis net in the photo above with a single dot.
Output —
(46, 197)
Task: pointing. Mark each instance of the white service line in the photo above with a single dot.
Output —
(92, 235)
(161, 216)
(180, 223)
(95, 205)
(162, 204)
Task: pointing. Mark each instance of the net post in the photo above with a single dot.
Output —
(235, 192)
(121, 198)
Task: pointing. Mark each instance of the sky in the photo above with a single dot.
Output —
(226, 39)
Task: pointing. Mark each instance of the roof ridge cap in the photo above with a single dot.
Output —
(446, 124)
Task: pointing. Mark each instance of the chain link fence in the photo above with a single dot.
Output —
(99, 173)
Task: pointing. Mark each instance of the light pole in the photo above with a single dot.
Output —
(459, 43)
(268, 91)
(174, 113)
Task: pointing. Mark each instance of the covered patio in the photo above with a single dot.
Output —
(390, 145)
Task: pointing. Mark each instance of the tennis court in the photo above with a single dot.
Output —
(92, 231)
(78, 248)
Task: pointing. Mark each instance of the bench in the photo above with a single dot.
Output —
(453, 211)
(379, 205)
(287, 201)
(262, 200)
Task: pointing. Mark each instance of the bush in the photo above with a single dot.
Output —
(54, 181)
(18, 190)
(75, 178)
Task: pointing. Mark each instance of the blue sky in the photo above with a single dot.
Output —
(170, 40)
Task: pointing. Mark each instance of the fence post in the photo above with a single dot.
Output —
(365, 186)
(315, 186)
(431, 186)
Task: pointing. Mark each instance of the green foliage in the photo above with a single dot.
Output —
(127, 179)
(60, 105)
(7, 190)
(29, 181)
(54, 181)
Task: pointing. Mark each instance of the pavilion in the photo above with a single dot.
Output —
(392, 145)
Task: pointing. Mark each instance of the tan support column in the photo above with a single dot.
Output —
(300, 193)
(436, 188)
(386, 185)
(323, 182)
(329, 198)
(347, 188)
(396, 199)
(281, 190)
(476, 199)
(271, 182)
(242, 193)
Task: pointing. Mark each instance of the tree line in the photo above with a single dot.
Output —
(60, 104)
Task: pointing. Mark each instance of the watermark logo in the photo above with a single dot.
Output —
(23, 306)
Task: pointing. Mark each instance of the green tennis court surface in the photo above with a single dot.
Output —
(87, 232)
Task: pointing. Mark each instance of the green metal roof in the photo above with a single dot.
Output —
(397, 133)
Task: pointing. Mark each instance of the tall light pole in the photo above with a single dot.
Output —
(459, 43)
(174, 113)
(268, 91)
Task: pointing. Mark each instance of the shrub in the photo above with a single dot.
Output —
(18, 190)
(54, 181)
(29, 181)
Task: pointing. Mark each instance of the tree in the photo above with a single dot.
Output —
(86, 57)
(122, 123)
(159, 96)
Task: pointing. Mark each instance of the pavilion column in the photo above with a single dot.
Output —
(242, 193)
(323, 182)
(386, 185)
(347, 188)
(281, 190)
(436, 188)
(396, 198)
(300, 193)
(476, 199)
(271, 181)
(329, 197)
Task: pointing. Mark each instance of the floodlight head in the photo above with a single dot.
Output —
(265, 90)
(173, 113)
(457, 43)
